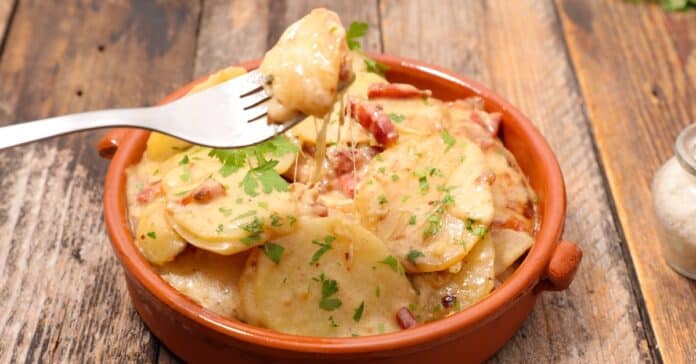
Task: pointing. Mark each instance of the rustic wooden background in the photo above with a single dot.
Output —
(609, 83)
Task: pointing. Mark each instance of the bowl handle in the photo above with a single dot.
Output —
(108, 144)
(562, 267)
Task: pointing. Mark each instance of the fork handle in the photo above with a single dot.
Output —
(23, 133)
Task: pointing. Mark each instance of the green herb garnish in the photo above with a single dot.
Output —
(357, 315)
(413, 255)
(355, 30)
(397, 118)
(273, 251)
(448, 139)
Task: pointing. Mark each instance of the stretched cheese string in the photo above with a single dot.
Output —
(321, 150)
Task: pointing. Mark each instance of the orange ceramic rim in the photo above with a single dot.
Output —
(524, 279)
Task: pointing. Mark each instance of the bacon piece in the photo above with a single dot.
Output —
(206, 192)
(373, 118)
(149, 193)
(395, 91)
(490, 122)
(347, 183)
(405, 318)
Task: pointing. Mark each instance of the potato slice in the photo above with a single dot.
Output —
(209, 279)
(160, 146)
(414, 117)
(230, 223)
(305, 65)
(351, 132)
(428, 200)
(509, 246)
(157, 241)
(458, 290)
(332, 278)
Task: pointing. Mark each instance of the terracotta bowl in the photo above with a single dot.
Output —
(472, 335)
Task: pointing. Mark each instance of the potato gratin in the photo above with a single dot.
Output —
(384, 209)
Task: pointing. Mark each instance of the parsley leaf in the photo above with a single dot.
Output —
(433, 227)
(152, 235)
(397, 118)
(412, 220)
(225, 212)
(448, 139)
(359, 312)
(323, 248)
(376, 67)
(413, 255)
(392, 263)
(355, 30)
(184, 160)
(329, 287)
(273, 251)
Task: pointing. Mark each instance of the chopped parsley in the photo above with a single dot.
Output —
(412, 220)
(478, 230)
(275, 220)
(292, 219)
(184, 161)
(392, 263)
(332, 322)
(355, 30)
(329, 287)
(357, 315)
(220, 228)
(448, 139)
(273, 251)
(151, 235)
(375, 67)
(225, 211)
(185, 176)
(423, 184)
(413, 255)
(394, 177)
(397, 118)
(254, 228)
(263, 205)
(434, 222)
(378, 292)
(260, 173)
(381, 199)
(323, 248)
(379, 158)
(382, 170)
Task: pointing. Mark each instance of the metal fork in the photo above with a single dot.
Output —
(229, 115)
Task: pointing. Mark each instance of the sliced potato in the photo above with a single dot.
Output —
(458, 290)
(414, 117)
(157, 241)
(160, 146)
(331, 278)
(211, 280)
(230, 223)
(427, 200)
(509, 246)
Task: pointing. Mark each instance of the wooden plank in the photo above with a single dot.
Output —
(63, 294)
(516, 48)
(637, 69)
(6, 8)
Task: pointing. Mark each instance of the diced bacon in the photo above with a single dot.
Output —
(405, 318)
(347, 183)
(373, 118)
(206, 192)
(395, 91)
(490, 122)
(149, 193)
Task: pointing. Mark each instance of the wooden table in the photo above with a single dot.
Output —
(609, 83)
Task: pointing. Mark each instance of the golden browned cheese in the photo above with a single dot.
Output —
(304, 67)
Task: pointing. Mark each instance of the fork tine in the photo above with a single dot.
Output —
(249, 82)
(255, 112)
(254, 99)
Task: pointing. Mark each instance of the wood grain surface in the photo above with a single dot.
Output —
(62, 295)
(636, 66)
(608, 83)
